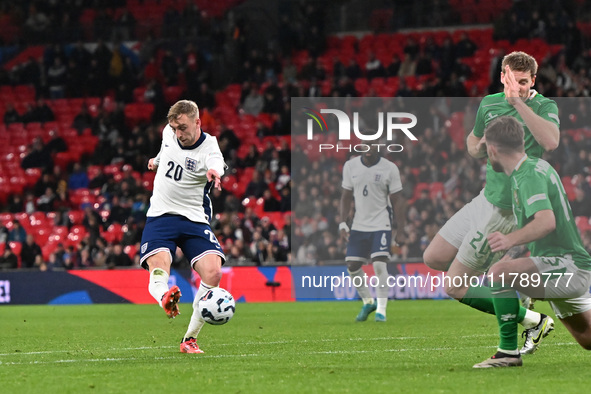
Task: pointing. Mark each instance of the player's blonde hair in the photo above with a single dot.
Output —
(506, 133)
(520, 61)
(183, 107)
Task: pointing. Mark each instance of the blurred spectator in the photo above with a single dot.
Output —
(57, 78)
(8, 260)
(118, 258)
(42, 112)
(353, 71)
(256, 187)
(253, 103)
(17, 233)
(11, 115)
(124, 26)
(394, 66)
(407, 67)
(56, 143)
(465, 47)
(78, 178)
(37, 24)
(169, 68)
(71, 258)
(83, 119)
(373, 67)
(258, 249)
(46, 200)
(580, 205)
(37, 156)
(270, 203)
(204, 97)
(31, 255)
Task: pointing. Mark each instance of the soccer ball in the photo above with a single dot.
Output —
(217, 306)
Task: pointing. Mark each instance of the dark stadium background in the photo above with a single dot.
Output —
(85, 86)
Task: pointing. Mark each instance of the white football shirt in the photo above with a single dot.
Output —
(180, 185)
(371, 187)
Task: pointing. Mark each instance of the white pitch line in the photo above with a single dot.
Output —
(256, 343)
(327, 352)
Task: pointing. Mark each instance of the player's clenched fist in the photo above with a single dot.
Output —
(499, 241)
(152, 166)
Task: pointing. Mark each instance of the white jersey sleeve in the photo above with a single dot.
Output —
(372, 187)
(180, 185)
(395, 182)
(347, 177)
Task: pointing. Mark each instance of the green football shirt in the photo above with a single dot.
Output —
(497, 185)
(536, 186)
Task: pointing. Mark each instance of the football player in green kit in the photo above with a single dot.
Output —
(461, 247)
(558, 268)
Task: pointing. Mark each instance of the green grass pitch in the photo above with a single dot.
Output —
(311, 347)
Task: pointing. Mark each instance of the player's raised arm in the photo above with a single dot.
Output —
(476, 146)
(545, 132)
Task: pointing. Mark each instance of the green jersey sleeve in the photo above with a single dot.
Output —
(479, 123)
(549, 110)
(534, 195)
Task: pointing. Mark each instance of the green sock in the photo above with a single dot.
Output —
(506, 305)
(480, 298)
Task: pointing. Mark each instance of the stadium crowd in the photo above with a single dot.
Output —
(190, 55)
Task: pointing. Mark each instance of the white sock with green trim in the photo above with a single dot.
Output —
(158, 285)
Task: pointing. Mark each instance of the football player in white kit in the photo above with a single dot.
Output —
(374, 184)
(188, 165)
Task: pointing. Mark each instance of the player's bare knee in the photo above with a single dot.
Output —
(433, 260)
(158, 261)
(456, 292)
(209, 269)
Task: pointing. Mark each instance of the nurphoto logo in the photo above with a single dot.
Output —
(388, 122)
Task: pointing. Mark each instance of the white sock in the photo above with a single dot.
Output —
(531, 319)
(381, 270)
(362, 289)
(511, 352)
(197, 321)
(158, 285)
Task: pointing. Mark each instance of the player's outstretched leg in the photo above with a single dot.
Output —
(170, 301)
(534, 336)
(189, 343)
(166, 298)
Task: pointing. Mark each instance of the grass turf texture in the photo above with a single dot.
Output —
(425, 346)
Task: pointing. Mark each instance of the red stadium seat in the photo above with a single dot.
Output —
(76, 217)
(131, 251)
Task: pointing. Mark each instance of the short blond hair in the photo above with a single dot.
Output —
(183, 107)
(520, 61)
